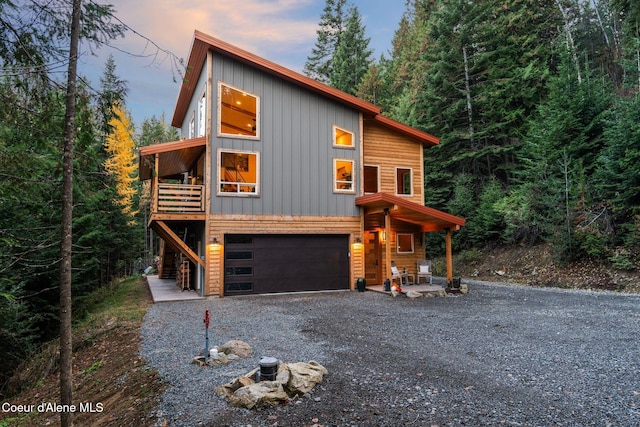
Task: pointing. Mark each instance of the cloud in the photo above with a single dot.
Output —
(260, 26)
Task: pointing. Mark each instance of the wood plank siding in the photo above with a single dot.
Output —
(389, 150)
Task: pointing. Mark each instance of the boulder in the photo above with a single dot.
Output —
(304, 376)
(291, 380)
(237, 347)
(259, 394)
(414, 294)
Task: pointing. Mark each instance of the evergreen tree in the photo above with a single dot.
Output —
(319, 64)
(113, 91)
(156, 130)
(352, 57)
(486, 67)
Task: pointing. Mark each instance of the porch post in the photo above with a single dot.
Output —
(449, 257)
(155, 184)
(387, 243)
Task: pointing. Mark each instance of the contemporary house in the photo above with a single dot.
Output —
(281, 183)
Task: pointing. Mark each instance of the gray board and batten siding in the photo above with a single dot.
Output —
(295, 146)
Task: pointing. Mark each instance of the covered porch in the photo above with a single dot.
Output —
(176, 173)
(393, 231)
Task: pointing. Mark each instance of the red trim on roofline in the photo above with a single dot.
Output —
(424, 137)
(202, 43)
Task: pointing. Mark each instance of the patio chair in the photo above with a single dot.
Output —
(424, 271)
(402, 278)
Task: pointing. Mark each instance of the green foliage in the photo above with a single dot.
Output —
(352, 57)
(319, 63)
(623, 261)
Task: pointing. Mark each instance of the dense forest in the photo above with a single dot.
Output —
(537, 107)
(536, 103)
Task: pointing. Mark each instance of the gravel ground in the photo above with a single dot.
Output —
(501, 355)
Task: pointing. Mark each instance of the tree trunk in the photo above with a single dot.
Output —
(66, 347)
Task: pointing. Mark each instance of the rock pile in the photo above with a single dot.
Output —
(228, 352)
(293, 379)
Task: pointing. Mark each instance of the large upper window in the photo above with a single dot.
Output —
(342, 138)
(238, 173)
(403, 181)
(238, 113)
(343, 176)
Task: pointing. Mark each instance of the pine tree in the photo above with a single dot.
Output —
(113, 90)
(319, 64)
(352, 56)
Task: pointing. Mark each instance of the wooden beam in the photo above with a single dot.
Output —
(172, 238)
(387, 242)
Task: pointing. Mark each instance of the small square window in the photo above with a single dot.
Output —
(404, 243)
(343, 176)
(238, 113)
(403, 181)
(342, 138)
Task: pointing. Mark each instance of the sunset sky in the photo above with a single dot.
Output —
(283, 31)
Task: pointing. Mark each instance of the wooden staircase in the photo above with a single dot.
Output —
(166, 264)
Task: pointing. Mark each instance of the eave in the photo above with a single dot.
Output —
(428, 219)
(202, 43)
(175, 157)
(424, 138)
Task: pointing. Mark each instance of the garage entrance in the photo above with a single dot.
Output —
(265, 263)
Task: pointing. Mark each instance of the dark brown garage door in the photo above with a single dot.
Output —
(258, 264)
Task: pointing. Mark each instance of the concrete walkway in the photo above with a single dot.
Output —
(163, 290)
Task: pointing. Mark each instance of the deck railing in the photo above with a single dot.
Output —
(180, 198)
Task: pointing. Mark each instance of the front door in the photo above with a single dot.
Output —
(372, 255)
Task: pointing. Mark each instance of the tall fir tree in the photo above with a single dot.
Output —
(319, 64)
(352, 57)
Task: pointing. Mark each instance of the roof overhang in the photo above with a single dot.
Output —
(428, 219)
(175, 157)
(424, 138)
(203, 43)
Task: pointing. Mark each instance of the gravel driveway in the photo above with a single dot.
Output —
(501, 355)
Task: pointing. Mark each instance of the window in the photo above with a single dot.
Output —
(238, 113)
(403, 181)
(404, 243)
(343, 176)
(192, 126)
(342, 138)
(371, 179)
(202, 110)
(238, 173)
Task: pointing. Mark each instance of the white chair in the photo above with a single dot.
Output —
(424, 271)
(402, 278)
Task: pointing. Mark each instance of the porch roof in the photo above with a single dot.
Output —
(427, 218)
(175, 157)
